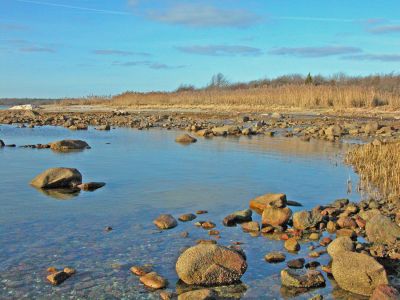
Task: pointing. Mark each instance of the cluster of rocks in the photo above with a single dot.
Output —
(354, 264)
(206, 125)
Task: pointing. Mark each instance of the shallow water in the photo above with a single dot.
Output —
(147, 173)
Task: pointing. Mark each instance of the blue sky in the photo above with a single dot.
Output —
(69, 48)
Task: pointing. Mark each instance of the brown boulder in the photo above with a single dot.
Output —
(276, 216)
(381, 229)
(260, 203)
(185, 139)
(67, 145)
(385, 292)
(57, 178)
(153, 280)
(165, 221)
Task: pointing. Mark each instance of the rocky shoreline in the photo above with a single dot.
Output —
(362, 238)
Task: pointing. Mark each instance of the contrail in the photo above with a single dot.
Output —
(103, 11)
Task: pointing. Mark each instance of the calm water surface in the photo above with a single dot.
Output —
(147, 173)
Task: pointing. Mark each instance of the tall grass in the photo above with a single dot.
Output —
(378, 166)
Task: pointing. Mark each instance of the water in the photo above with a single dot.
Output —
(3, 107)
(147, 173)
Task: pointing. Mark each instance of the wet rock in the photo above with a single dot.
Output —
(302, 278)
(385, 292)
(167, 295)
(165, 221)
(201, 212)
(346, 222)
(67, 145)
(185, 139)
(250, 226)
(51, 269)
(305, 219)
(226, 130)
(202, 241)
(357, 272)
(187, 217)
(276, 216)
(70, 271)
(108, 228)
(208, 225)
(382, 229)
(346, 232)
(141, 270)
(292, 245)
(275, 257)
(2, 144)
(238, 217)
(201, 294)
(57, 277)
(91, 186)
(293, 203)
(57, 178)
(153, 280)
(213, 232)
(312, 265)
(103, 127)
(339, 203)
(325, 241)
(339, 245)
(314, 236)
(207, 264)
(262, 202)
(296, 263)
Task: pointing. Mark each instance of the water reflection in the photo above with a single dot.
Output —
(60, 194)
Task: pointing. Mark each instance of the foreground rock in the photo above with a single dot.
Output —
(153, 280)
(238, 217)
(57, 178)
(381, 229)
(302, 278)
(185, 139)
(91, 186)
(268, 200)
(355, 272)
(67, 145)
(209, 264)
(165, 221)
(385, 292)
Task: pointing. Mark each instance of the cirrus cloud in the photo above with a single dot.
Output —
(315, 52)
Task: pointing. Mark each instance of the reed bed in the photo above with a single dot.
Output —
(293, 96)
(378, 167)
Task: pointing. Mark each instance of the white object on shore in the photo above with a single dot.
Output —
(24, 107)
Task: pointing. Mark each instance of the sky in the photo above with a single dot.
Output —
(74, 48)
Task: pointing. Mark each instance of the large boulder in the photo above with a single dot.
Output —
(276, 216)
(209, 264)
(339, 245)
(305, 219)
(381, 229)
(262, 202)
(67, 145)
(57, 178)
(357, 272)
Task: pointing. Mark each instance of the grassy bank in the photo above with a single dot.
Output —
(378, 167)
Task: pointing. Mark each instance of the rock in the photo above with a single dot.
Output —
(275, 257)
(91, 186)
(208, 264)
(57, 277)
(356, 272)
(186, 139)
(213, 232)
(369, 214)
(317, 297)
(250, 226)
(141, 270)
(153, 280)
(187, 217)
(165, 221)
(262, 202)
(70, 271)
(347, 232)
(57, 178)
(167, 295)
(51, 269)
(238, 217)
(334, 130)
(314, 236)
(293, 203)
(108, 228)
(292, 245)
(381, 229)
(371, 127)
(305, 220)
(339, 203)
(201, 212)
(208, 225)
(225, 130)
(276, 216)
(24, 107)
(202, 294)
(2, 144)
(67, 145)
(385, 292)
(339, 245)
(103, 127)
(346, 222)
(296, 263)
(276, 115)
(302, 278)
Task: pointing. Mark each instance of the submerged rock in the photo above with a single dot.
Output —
(201, 294)
(165, 221)
(67, 145)
(302, 278)
(186, 139)
(238, 217)
(208, 264)
(153, 280)
(141, 270)
(57, 178)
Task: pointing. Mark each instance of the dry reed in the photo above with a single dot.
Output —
(378, 167)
